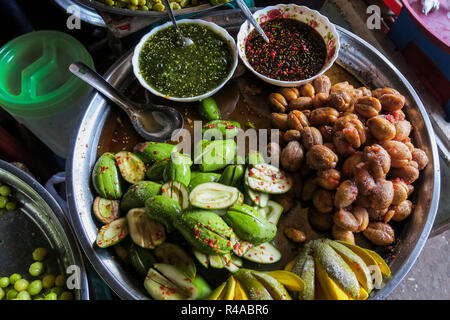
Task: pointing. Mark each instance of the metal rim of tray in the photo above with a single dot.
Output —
(71, 252)
(359, 55)
(138, 13)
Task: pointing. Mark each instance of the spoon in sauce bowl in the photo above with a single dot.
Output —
(182, 41)
(152, 122)
(248, 14)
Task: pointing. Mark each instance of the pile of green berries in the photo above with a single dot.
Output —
(39, 286)
(7, 203)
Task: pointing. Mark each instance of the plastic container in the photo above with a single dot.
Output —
(37, 88)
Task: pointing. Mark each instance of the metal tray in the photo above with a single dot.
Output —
(359, 59)
(38, 222)
(150, 14)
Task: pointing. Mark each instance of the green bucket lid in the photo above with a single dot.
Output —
(35, 80)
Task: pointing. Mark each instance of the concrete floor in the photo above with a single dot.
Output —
(429, 278)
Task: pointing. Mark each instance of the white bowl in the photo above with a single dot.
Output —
(221, 31)
(312, 18)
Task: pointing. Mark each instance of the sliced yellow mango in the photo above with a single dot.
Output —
(385, 271)
(290, 265)
(217, 294)
(336, 267)
(368, 259)
(290, 280)
(275, 288)
(355, 262)
(239, 293)
(363, 295)
(230, 289)
(331, 289)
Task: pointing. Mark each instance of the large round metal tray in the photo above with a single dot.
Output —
(151, 14)
(38, 222)
(358, 58)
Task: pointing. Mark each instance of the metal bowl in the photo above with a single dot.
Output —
(357, 57)
(38, 222)
(138, 13)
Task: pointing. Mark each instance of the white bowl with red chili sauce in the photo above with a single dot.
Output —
(275, 65)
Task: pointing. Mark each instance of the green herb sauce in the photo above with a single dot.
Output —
(185, 71)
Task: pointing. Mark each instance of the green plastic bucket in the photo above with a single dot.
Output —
(37, 88)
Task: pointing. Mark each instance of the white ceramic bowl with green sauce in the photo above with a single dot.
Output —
(212, 26)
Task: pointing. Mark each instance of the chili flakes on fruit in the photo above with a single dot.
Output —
(295, 51)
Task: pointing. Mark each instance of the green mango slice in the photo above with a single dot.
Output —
(130, 166)
(138, 193)
(106, 178)
(170, 253)
(213, 195)
(112, 233)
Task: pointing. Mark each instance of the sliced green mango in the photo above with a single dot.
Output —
(112, 233)
(257, 198)
(254, 157)
(177, 277)
(131, 167)
(138, 193)
(163, 210)
(141, 259)
(205, 231)
(105, 210)
(156, 171)
(106, 178)
(160, 288)
(208, 110)
(268, 179)
(215, 155)
(232, 175)
(225, 129)
(203, 177)
(264, 253)
(151, 151)
(275, 211)
(215, 261)
(201, 257)
(249, 225)
(145, 232)
(213, 195)
(178, 169)
(174, 255)
(176, 191)
(203, 288)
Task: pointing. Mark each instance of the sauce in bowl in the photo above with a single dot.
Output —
(185, 71)
(295, 52)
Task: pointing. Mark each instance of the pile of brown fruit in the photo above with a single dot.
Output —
(360, 161)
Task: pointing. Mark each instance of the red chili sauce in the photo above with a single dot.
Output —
(295, 50)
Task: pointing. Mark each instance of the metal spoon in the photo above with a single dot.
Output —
(182, 41)
(152, 122)
(248, 14)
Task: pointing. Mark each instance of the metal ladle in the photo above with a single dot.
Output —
(152, 122)
(182, 41)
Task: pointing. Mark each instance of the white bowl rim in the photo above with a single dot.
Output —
(283, 83)
(224, 33)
